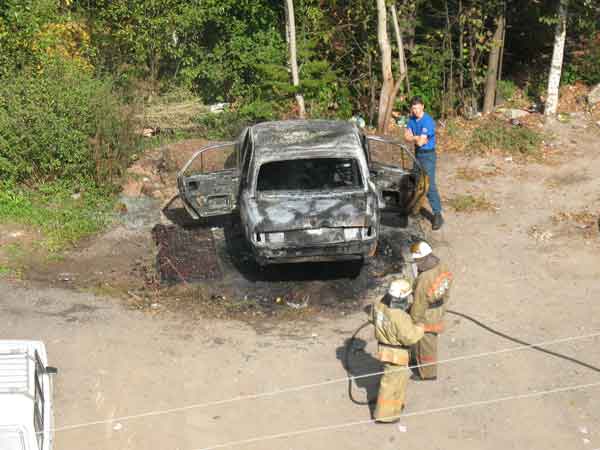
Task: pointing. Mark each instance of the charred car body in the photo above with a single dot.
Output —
(304, 190)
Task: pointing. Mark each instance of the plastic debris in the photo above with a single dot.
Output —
(402, 428)
(117, 426)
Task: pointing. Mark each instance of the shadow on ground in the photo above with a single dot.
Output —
(358, 364)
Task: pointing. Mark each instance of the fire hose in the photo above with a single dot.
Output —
(350, 346)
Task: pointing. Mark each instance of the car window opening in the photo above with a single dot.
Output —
(310, 174)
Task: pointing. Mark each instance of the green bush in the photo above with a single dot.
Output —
(506, 89)
(496, 135)
(586, 68)
(226, 125)
(59, 122)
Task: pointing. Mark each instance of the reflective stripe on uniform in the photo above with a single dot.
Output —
(438, 281)
(433, 327)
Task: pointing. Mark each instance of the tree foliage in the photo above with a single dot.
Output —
(235, 51)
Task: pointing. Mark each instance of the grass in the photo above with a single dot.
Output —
(470, 203)
(500, 135)
(474, 174)
(5, 271)
(62, 216)
(13, 250)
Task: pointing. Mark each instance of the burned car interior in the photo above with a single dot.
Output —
(304, 190)
(315, 174)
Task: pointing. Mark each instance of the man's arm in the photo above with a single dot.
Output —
(421, 140)
(408, 135)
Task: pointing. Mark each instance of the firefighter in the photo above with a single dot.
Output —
(395, 333)
(431, 295)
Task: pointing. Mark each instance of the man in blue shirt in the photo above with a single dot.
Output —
(420, 130)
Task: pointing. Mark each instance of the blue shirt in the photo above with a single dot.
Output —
(423, 126)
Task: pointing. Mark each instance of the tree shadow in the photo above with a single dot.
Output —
(358, 363)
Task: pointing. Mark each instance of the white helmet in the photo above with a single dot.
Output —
(400, 288)
(420, 250)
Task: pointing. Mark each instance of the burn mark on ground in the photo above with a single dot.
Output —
(185, 255)
(219, 260)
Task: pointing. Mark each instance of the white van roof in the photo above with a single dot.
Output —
(17, 391)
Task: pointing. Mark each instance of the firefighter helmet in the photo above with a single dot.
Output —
(420, 250)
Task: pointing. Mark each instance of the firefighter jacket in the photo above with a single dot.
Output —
(431, 296)
(395, 332)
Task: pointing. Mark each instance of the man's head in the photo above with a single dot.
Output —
(423, 257)
(417, 108)
(399, 294)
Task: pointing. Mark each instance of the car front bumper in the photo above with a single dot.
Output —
(345, 251)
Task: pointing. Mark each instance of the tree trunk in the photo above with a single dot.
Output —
(557, 59)
(387, 85)
(402, 71)
(293, 61)
(451, 94)
(461, 56)
(492, 69)
(372, 92)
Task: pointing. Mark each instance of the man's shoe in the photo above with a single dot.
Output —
(437, 221)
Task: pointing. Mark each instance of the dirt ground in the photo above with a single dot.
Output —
(126, 345)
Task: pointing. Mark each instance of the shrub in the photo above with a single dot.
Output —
(225, 125)
(506, 89)
(59, 122)
(496, 135)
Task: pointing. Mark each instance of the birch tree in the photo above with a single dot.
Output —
(293, 60)
(389, 87)
(557, 59)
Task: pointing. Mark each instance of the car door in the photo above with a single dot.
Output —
(207, 190)
(402, 184)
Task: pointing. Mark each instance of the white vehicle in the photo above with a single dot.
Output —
(26, 419)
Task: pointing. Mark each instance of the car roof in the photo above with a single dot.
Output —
(304, 136)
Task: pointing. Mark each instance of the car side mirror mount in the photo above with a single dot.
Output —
(51, 370)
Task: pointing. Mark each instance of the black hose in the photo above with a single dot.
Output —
(519, 341)
(348, 349)
(350, 342)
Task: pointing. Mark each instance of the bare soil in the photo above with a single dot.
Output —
(127, 343)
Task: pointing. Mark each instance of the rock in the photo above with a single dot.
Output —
(515, 113)
(76, 196)
(593, 96)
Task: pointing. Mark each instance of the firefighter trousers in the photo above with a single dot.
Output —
(425, 352)
(392, 392)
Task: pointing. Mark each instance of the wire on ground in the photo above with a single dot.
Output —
(314, 385)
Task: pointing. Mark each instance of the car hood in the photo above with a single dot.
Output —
(295, 212)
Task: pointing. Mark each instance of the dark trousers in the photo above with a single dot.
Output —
(428, 160)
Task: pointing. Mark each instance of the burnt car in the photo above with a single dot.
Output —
(305, 190)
